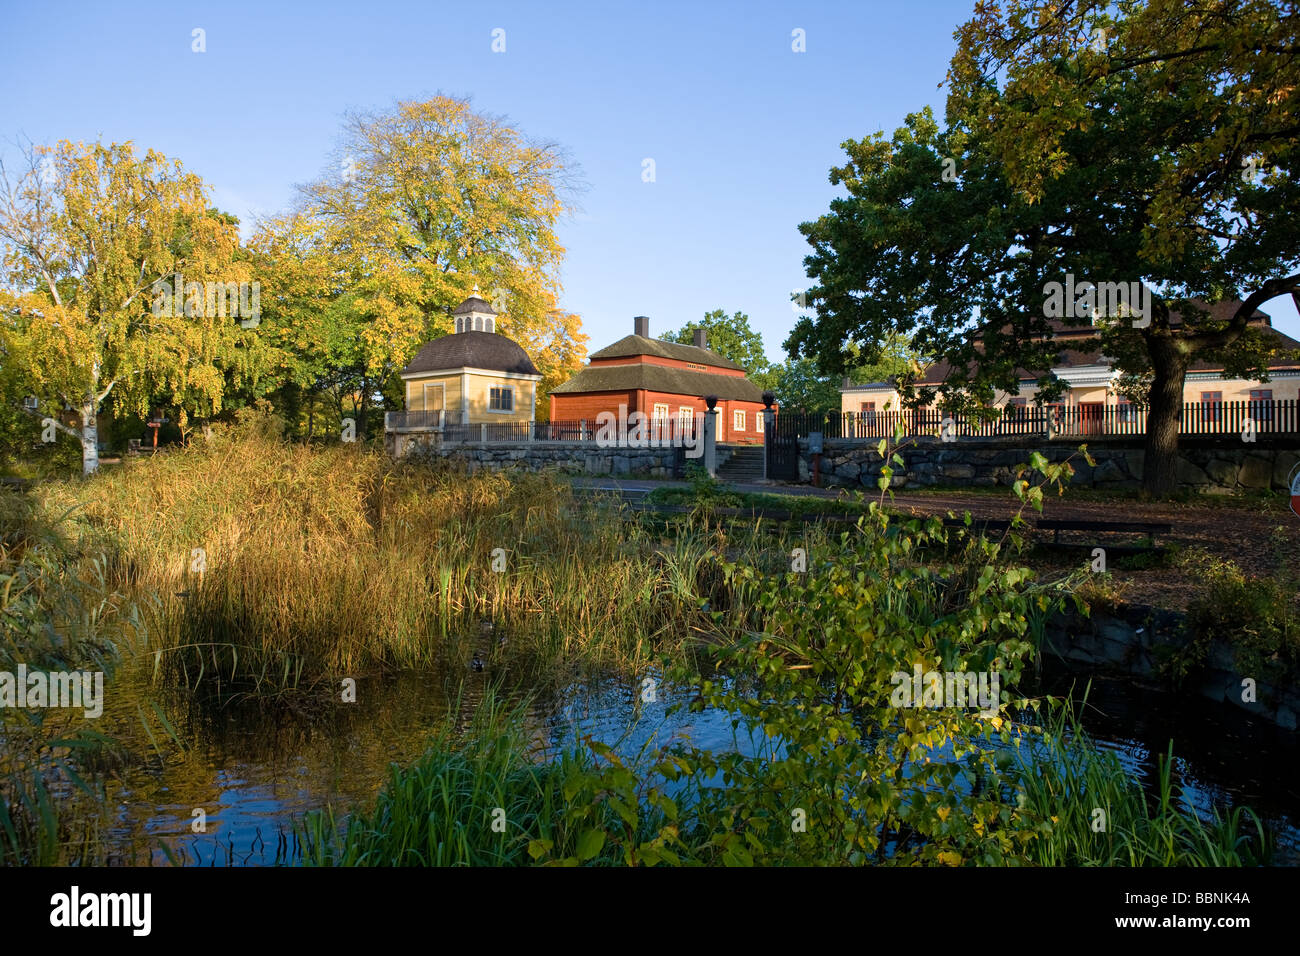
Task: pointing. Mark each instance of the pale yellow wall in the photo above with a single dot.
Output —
(478, 396)
(851, 401)
(1238, 390)
(415, 391)
(1234, 390)
(478, 399)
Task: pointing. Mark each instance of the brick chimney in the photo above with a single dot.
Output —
(641, 326)
(701, 338)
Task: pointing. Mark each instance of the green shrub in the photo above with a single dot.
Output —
(1258, 616)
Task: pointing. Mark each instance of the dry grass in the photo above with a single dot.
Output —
(271, 564)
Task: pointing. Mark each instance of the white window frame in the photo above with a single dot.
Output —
(685, 417)
(505, 390)
(737, 419)
(758, 421)
(661, 420)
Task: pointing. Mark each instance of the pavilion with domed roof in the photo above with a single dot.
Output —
(474, 376)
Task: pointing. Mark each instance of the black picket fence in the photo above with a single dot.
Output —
(1064, 421)
(657, 432)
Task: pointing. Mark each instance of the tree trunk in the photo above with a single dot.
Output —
(1164, 421)
(89, 436)
(363, 411)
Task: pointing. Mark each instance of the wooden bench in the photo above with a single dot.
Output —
(979, 525)
(1149, 528)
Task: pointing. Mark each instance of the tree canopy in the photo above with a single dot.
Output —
(728, 335)
(90, 232)
(426, 203)
(1130, 142)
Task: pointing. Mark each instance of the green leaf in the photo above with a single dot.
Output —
(590, 844)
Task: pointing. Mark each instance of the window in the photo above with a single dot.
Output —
(738, 420)
(1211, 402)
(686, 419)
(758, 422)
(1261, 404)
(1125, 411)
(501, 398)
(660, 422)
(1017, 408)
(866, 406)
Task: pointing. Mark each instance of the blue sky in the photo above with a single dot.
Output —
(742, 130)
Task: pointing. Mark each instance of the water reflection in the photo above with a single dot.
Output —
(251, 771)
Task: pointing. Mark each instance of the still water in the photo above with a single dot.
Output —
(252, 773)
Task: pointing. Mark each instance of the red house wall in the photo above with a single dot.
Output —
(589, 405)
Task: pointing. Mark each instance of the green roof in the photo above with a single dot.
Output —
(631, 345)
(660, 378)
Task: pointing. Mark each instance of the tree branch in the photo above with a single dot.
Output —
(57, 424)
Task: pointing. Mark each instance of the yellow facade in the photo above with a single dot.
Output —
(424, 392)
(1284, 387)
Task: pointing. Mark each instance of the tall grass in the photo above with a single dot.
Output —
(476, 800)
(1093, 814)
(56, 613)
(277, 565)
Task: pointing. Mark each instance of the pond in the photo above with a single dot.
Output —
(251, 773)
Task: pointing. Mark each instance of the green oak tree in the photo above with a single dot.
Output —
(1129, 142)
(728, 335)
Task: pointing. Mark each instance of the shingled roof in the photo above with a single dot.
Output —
(631, 345)
(660, 378)
(485, 350)
(474, 304)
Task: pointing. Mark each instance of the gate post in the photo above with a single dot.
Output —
(711, 437)
(769, 421)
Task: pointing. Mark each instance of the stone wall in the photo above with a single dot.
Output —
(1132, 639)
(1211, 466)
(569, 457)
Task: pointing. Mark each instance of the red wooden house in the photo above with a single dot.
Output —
(664, 381)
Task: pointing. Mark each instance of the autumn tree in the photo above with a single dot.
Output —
(90, 235)
(1149, 142)
(424, 204)
(558, 347)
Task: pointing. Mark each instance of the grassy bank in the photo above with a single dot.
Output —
(247, 568)
(272, 565)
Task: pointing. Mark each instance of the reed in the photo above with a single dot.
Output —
(475, 800)
(56, 613)
(262, 566)
(1068, 779)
